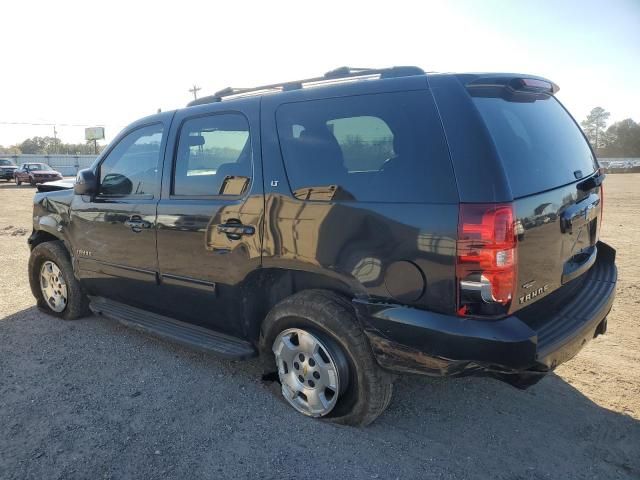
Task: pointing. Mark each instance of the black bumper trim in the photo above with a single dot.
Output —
(419, 341)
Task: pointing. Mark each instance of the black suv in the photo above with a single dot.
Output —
(344, 228)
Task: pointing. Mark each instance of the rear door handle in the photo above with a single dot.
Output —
(136, 223)
(236, 230)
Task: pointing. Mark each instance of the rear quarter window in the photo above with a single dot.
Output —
(538, 142)
(368, 148)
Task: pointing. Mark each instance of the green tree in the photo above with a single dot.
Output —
(51, 146)
(623, 139)
(594, 125)
(12, 150)
(33, 145)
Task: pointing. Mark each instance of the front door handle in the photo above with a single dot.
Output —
(235, 231)
(136, 223)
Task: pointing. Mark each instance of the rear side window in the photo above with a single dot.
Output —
(538, 142)
(213, 157)
(369, 148)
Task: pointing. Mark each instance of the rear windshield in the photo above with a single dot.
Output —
(538, 142)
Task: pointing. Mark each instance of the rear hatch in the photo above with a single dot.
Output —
(554, 180)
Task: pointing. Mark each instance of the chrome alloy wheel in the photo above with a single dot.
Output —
(53, 286)
(313, 372)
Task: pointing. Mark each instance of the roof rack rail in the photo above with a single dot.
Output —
(332, 76)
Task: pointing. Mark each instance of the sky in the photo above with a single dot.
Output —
(108, 63)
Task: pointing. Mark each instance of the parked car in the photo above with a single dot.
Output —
(346, 228)
(7, 167)
(34, 173)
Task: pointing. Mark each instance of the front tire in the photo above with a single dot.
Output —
(53, 284)
(314, 336)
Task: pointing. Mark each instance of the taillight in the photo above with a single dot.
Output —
(486, 258)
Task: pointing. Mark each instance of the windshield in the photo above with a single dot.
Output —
(38, 166)
(539, 144)
(5, 163)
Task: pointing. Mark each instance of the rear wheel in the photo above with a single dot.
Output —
(313, 370)
(323, 359)
(53, 284)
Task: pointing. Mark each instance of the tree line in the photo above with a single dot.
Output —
(621, 139)
(49, 146)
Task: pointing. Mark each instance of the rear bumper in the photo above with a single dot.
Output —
(409, 340)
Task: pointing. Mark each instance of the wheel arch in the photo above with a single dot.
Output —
(267, 287)
(41, 236)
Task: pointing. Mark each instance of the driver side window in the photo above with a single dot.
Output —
(131, 168)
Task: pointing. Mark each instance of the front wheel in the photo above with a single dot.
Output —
(53, 284)
(324, 362)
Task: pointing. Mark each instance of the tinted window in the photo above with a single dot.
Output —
(539, 144)
(5, 163)
(213, 156)
(380, 148)
(131, 168)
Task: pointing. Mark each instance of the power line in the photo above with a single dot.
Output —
(52, 124)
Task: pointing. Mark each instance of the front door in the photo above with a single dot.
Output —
(210, 214)
(113, 234)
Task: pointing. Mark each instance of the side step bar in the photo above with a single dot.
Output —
(199, 338)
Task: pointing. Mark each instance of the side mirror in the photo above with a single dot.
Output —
(86, 183)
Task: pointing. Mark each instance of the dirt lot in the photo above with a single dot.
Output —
(92, 399)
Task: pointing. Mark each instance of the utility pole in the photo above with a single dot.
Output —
(55, 140)
(195, 91)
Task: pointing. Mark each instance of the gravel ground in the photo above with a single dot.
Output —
(93, 399)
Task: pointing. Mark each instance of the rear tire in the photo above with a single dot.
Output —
(330, 319)
(53, 257)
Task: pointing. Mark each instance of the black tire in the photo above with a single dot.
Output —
(18, 182)
(370, 388)
(77, 302)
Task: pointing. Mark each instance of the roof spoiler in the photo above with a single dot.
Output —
(512, 87)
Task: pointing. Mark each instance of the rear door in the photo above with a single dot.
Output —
(360, 188)
(552, 173)
(210, 213)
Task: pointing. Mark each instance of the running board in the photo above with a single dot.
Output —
(193, 336)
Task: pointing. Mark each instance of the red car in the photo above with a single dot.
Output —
(35, 173)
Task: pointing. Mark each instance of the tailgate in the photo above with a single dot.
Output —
(554, 180)
(557, 235)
